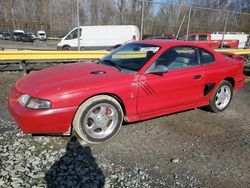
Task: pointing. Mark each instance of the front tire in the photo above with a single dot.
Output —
(66, 48)
(221, 97)
(98, 119)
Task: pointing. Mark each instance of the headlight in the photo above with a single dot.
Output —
(23, 99)
(34, 103)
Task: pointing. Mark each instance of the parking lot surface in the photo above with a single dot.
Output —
(194, 148)
(36, 45)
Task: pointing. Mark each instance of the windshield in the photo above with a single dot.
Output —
(17, 34)
(132, 56)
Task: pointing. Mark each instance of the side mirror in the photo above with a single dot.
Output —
(159, 69)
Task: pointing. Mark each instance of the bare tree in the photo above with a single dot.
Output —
(57, 17)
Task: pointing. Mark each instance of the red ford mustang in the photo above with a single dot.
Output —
(137, 81)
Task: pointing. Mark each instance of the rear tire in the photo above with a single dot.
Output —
(221, 97)
(98, 119)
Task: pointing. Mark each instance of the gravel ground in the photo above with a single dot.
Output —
(194, 148)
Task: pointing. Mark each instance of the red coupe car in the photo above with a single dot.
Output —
(137, 81)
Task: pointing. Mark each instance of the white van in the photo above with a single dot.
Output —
(99, 37)
(41, 35)
(17, 35)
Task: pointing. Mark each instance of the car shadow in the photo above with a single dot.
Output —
(76, 168)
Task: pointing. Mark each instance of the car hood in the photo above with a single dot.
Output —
(71, 78)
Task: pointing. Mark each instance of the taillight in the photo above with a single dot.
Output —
(239, 58)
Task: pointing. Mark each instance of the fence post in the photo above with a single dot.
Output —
(23, 67)
(189, 16)
(12, 15)
(50, 17)
(142, 17)
(224, 30)
(78, 25)
(178, 32)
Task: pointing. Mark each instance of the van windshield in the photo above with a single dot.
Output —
(41, 34)
(132, 56)
(17, 34)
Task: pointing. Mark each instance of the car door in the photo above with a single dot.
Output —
(183, 84)
(203, 39)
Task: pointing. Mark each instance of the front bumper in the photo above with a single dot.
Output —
(46, 121)
(42, 39)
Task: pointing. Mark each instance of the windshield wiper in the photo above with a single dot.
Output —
(110, 63)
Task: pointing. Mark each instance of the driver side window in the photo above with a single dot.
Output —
(178, 58)
(74, 34)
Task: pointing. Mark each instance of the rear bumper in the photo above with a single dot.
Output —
(49, 121)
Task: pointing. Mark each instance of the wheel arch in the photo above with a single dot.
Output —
(119, 100)
(115, 96)
(231, 80)
(66, 45)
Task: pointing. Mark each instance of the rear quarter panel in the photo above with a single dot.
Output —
(224, 68)
(231, 43)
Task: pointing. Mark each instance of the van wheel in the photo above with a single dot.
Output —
(98, 119)
(66, 48)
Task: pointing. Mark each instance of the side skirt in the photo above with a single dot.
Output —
(165, 112)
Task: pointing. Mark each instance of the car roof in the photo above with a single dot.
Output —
(169, 43)
(18, 31)
(200, 33)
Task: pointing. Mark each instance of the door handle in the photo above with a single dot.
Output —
(197, 77)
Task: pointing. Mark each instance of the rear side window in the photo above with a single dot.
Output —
(192, 38)
(206, 57)
(202, 37)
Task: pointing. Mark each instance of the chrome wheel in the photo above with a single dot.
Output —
(223, 97)
(100, 121)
